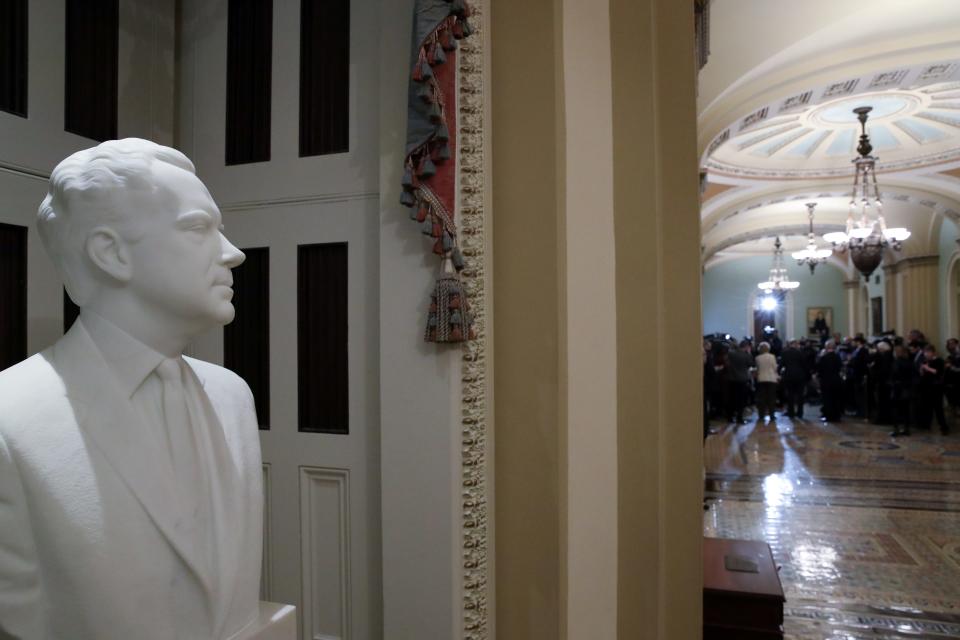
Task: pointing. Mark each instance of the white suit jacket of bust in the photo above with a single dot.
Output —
(88, 546)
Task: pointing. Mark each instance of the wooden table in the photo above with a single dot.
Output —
(739, 605)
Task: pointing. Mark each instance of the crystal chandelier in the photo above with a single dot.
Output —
(778, 280)
(811, 256)
(866, 235)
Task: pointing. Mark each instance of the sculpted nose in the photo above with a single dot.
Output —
(230, 255)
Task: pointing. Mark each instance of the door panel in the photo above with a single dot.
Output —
(322, 502)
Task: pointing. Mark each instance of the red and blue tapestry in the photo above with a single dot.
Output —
(430, 166)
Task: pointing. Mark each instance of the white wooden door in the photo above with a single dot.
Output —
(321, 516)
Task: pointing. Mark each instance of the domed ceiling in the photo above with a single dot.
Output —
(801, 138)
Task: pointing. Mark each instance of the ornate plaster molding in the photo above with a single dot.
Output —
(474, 410)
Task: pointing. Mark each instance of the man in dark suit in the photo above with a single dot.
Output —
(795, 375)
(829, 367)
(930, 400)
(739, 362)
(857, 375)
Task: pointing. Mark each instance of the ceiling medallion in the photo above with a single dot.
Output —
(866, 235)
(811, 255)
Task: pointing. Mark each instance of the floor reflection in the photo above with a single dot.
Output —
(866, 529)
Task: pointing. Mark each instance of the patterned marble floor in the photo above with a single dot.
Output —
(865, 527)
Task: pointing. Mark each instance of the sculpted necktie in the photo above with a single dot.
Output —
(183, 442)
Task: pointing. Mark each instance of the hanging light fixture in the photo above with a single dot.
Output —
(778, 280)
(811, 255)
(867, 234)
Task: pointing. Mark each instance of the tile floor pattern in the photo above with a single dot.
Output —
(865, 527)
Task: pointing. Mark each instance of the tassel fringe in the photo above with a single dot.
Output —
(449, 318)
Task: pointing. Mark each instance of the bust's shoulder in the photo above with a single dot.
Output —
(27, 387)
(218, 379)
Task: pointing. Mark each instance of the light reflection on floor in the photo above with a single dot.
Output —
(866, 528)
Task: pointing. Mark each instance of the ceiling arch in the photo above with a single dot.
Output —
(818, 47)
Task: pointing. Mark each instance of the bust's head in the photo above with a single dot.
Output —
(137, 238)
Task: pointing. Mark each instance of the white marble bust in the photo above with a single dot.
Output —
(130, 476)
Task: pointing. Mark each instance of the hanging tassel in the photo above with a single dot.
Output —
(457, 258)
(456, 7)
(447, 241)
(434, 113)
(447, 289)
(407, 180)
(439, 57)
(425, 93)
(442, 132)
(413, 214)
(427, 228)
(447, 41)
(422, 212)
(458, 30)
(438, 247)
(437, 231)
(407, 199)
(443, 153)
(467, 30)
(427, 169)
(425, 71)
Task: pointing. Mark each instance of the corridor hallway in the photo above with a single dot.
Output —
(866, 528)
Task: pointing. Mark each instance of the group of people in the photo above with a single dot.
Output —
(901, 381)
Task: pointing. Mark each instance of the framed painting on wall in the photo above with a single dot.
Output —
(819, 322)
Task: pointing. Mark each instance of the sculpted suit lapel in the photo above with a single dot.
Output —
(118, 432)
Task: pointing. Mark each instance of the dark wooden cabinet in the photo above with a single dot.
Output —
(739, 605)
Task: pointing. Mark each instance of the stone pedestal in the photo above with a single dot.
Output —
(275, 622)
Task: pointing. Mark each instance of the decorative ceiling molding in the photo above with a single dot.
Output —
(915, 96)
(766, 232)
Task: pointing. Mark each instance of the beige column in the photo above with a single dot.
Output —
(588, 328)
(921, 300)
(596, 264)
(658, 319)
(890, 298)
(852, 294)
(526, 128)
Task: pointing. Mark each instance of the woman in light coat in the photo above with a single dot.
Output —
(767, 379)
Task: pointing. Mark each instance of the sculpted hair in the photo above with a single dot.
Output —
(78, 200)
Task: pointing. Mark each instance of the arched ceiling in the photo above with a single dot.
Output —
(777, 128)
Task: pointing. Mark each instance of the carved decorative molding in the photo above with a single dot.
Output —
(474, 371)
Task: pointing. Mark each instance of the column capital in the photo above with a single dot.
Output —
(919, 261)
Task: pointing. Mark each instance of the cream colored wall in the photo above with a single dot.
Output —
(547, 464)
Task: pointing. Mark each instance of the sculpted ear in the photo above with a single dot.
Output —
(109, 252)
